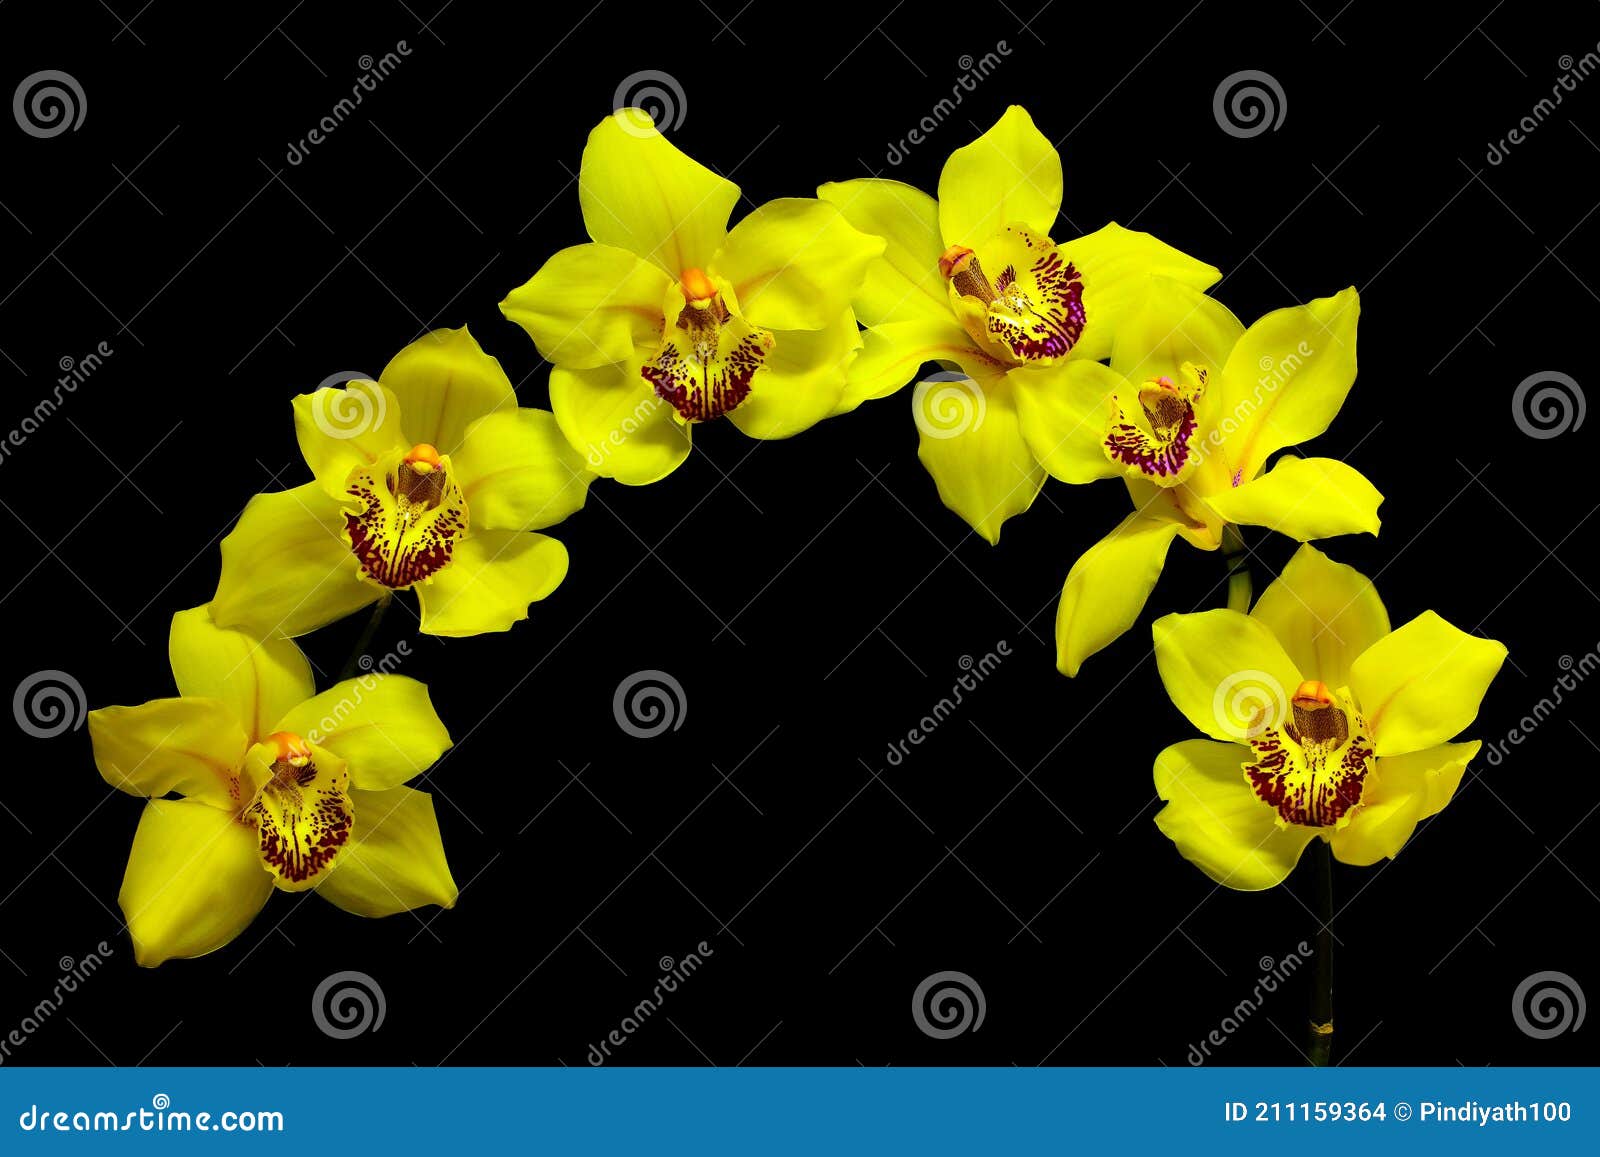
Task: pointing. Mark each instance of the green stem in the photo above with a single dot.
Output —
(348, 671)
(1321, 1027)
(1237, 560)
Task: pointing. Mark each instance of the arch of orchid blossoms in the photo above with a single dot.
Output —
(1101, 357)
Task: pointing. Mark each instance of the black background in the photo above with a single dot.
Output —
(813, 597)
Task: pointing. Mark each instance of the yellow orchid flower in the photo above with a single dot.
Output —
(280, 788)
(1324, 724)
(976, 280)
(669, 318)
(1202, 403)
(431, 478)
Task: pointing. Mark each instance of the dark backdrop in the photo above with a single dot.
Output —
(833, 596)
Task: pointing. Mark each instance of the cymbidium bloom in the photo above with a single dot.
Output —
(1203, 403)
(1324, 724)
(278, 787)
(975, 279)
(669, 318)
(431, 478)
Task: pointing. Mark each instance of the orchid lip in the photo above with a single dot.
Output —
(1029, 312)
(709, 355)
(301, 813)
(406, 515)
(1311, 764)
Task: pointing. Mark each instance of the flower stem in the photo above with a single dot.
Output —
(1237, 560)
(1321, 1027)
(348, 671)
